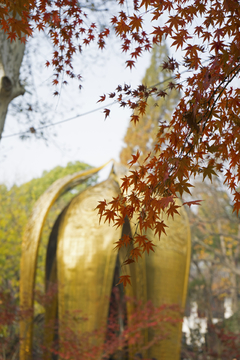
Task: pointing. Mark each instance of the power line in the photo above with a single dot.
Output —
(59, 122)
(79, 115)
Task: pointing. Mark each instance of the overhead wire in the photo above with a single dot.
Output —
(79, 115)
(58, 122)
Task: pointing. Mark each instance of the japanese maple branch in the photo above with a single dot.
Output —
(204, 125)
(220, 94)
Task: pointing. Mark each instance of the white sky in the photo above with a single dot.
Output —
(89, 138)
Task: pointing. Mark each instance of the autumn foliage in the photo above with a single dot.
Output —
(119, 342)
(219, 343)
(73, 344)
(203, 135)
(143, 136)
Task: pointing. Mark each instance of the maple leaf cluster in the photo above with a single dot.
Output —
(158, 319)
(64, 21)
(14, 18)
(203, 136)
(73, 344)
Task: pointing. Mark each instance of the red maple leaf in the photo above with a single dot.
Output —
(173, 210)
(125, 279)
(102, 98)
(134, 159)
(106, 112)
(147, 246)
(190, 203)
(130, 63)
(101, 208)
(159, 228)
(136, 22)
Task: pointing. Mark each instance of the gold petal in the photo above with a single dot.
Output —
(31, 240)
(86, 263)
(167, 270)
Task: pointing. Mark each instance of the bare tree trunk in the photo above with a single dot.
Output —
(11, 55)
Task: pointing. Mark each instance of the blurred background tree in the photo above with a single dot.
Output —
(142, 136)
(215, 231)
(215, 271)
(16, 205)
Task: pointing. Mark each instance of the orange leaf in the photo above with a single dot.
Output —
(190, 203)
(130, 63)
(208, 171)
(140, 239)
(106, 112)
(135, 118)
(173, 210)
(102, 98)
(135, 253)
(147, 246)
(135, 159)
(128, 261)
(119, 244)
(136, 22)
(109, 215)
(101, 208)
(125, 241)
(12, 36)
(125, 279)
(160, 227)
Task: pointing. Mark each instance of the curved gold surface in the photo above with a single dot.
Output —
(138, 288)
(161, 276)
(51, 309)
(85, 264)
(86, 261)
(167, 272)
(31, 239)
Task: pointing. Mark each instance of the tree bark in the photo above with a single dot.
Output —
(11, 55)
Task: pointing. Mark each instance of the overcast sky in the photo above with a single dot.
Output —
(88, 138)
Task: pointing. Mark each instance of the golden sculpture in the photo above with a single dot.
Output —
(82, 261)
